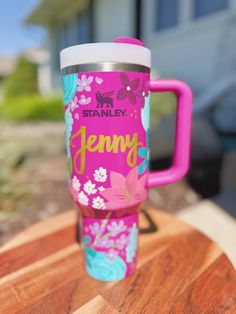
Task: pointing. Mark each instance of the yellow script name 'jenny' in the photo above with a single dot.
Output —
(104, 144)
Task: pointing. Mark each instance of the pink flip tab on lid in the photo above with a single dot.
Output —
(128, 40)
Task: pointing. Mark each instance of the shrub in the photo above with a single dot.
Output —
(23, 80)
(36, 107)
(162, 105)
(33, 107)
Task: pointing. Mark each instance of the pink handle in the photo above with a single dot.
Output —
(182, 132)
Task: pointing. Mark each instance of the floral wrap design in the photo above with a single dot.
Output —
(107, 144)
(110, 246)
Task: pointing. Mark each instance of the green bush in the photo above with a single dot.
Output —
(162, 105)
(33, 107)
(36, 107)
(23, 80)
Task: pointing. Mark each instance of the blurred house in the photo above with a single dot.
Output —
(40, 57)
(191, 40)
(37, 56)
(7, 64)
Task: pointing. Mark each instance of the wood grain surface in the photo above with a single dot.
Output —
(179, 271)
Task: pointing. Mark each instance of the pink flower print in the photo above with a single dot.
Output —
(84, 83)
(121, 242)
(125, 191)
(77, 116)
(112, 253)
(116, 228)
(73, 104)
(143, 92)
(104, 242)
(96, 229)
(128, 88)
(84, 101)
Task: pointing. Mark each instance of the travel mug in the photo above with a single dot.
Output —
(106, 88)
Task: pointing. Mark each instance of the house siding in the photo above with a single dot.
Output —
(74, 31)
(114, 19)
(194, 51)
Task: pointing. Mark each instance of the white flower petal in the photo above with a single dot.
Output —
(98, 203)
(89, 188)
(88, 100)
(99, 80)
(82, 198)
(87, 88)
(89, 80)
(80, 88)
(83, 79)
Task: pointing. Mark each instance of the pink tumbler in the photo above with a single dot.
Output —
(106, 89)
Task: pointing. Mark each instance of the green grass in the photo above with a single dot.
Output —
(33, 107)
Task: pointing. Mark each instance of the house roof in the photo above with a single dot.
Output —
(50, 12)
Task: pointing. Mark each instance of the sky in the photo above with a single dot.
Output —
(14, 36)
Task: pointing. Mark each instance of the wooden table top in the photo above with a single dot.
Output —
(179, 271)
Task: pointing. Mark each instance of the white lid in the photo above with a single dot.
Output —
(102, 52)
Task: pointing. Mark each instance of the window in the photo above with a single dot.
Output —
(166, 14)
(85, 24)
(84, 27)
(205, 7)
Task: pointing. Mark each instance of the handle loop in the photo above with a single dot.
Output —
(180, 162)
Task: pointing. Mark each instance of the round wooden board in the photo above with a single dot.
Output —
(179, 271)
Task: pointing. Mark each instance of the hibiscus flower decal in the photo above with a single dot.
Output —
(143, 92)
(125, 191)
(129, 86)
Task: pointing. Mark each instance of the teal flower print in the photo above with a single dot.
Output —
(131, 249)
(145, 113)
(143, 152)
(101, 267)
(86, 240)
(68, 124)
(69, 84)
